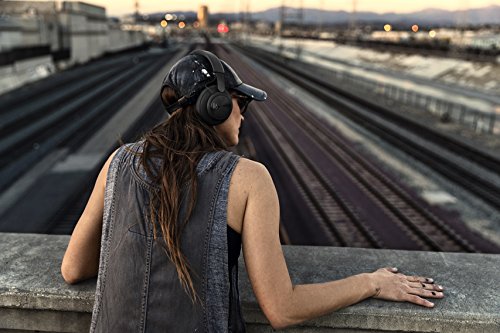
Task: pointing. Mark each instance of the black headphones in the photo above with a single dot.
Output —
(214, 103)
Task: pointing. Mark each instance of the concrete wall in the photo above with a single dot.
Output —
(90, 35)
(82, 28)
(10, 39)
(24, 71)
(24, 31)
(119, 39)
(86, 30)
(34, 297)
(28, 23)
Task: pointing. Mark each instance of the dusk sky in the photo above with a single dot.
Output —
(120, 7)
(117, 8)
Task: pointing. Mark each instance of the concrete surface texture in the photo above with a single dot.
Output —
(33, 295)
(25, 71)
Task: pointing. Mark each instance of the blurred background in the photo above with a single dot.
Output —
(381, 130)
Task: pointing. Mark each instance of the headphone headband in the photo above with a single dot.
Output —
(216, 67)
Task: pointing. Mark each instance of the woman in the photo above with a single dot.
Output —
(173, 210)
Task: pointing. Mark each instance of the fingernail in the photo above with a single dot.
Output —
(431, 304)
(429, 280)
(440, 287)
(394, 268)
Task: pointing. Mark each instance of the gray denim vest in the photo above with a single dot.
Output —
(138, 289)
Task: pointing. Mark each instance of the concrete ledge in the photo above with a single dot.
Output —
(472, 302)
(24, 71)
(34, 297)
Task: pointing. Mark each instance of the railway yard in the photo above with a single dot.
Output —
(344, 163)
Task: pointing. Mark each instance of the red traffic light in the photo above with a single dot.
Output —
(222, 28)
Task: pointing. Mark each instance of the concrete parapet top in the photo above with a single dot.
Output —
(30, 280)
(30, 275)
(471, 282)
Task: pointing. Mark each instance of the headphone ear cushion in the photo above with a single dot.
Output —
(214, 106)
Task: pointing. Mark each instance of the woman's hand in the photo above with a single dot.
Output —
(393, 286)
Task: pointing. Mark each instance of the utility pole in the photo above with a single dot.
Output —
(281, 22)
(462, 18)
(462, 23)
(300, 15)
(320, 21)
(136, 14)
(296, 14)
(353, 23)
(248, 19)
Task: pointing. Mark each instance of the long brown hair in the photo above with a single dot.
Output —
(179, 142)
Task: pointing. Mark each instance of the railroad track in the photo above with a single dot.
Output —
(65, 219)
(467, 179)
(68, 114)
(337, 216)
(59, 115)
(309, 163)
(63, 222)
(432, 233)
(28, 92)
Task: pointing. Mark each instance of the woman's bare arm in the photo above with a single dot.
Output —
(286, 304)
(81, 260)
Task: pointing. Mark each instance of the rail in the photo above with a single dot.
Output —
(481, 119)
(448, 167)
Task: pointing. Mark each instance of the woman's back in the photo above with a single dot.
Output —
(143, 291)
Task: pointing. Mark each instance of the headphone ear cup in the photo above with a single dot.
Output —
(214, 106)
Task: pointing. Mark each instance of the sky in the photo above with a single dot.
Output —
(120, 7)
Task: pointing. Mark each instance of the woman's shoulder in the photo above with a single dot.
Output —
(250, 167)
(250, 180)
(250, 173)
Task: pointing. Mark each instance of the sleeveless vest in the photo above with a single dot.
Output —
(138, 289)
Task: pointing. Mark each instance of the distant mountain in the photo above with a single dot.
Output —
(474, 16)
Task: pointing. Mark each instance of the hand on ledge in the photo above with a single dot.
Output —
(393, 286)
